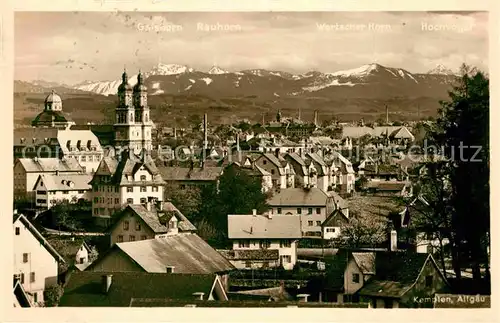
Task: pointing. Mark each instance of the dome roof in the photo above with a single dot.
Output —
(140, 87)
(53, 98)
(125, 86)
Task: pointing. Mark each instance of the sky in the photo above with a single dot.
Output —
(70, 47)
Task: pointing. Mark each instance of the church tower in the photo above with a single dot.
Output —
(127, 131)
(142, 113)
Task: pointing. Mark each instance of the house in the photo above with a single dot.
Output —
(385, 279)
(312, 205)
(76, 252)
(332, 226)
(346, 177)
(252, 258)
(35, 260)
(264, 232)
(51, 189)
(304, 170)
(83, 146)
(389, 188)
(282, 174)
(190, 176)
(183, 253)
(149, 221)
(382, 172)
(321, 171)
(130, 179)
(21, 298)
(126, 289)
(28, 170)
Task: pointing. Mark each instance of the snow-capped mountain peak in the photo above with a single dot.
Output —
(363, 70)
(169, 69)
(217, 70)
(441, 70)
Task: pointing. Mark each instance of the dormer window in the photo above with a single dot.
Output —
(23, 140)
(143, 177)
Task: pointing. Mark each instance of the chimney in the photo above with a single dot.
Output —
(254, 212)
(237, 142)
(386, 115)
(394, 240)
(205, 132)
(199, 295)
(106, 283)
(316, 118)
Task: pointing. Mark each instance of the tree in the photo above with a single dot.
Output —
(462, 133)
(360, 183)
(52, 295)
(64, 216)
(187, 200)
(364, 231)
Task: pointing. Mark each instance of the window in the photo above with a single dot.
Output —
(96, 211)
(120, 238)
(143, 200)
(330, 229)
(65, 192)
(264, 162)
(264, 244)
(272, 171)
(318, 223)
(22, 278)
(355, 278)
(35, 297)
(18, 231)
(143, 177)
(130, 189)
(244, 244)
(132, 238)
(84, 158)
(318, 210)
(428, 281)
(310, 223)
(81, 192)
(41, 192)
(96, 199)
(155, 188)
(299, 210)
(173, 224)
(32, 277)
(117, 189)
(125, 225)
(144, 237)
(285, 244)
(248, 264)
(117, 200)
(286, 259)
(310, 210)
(144, 189)
(170, 269)
(279, 210)
(137, 226)
(25, 257)
(82, 260)
(130, 201)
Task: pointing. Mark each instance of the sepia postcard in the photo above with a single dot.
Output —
(268, 159)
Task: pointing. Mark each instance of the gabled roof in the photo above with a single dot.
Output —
(67, 247)
(107, 166)
(336, 219)
(402, 133)
(84, 289)
(129, 166)
(273, 159)
(248, 226)
(295, 157)
(365, 262)
(186, 252)
(317, 158)
(20, 295)
(40, 165)
(21, 218)
(66, 182)
(299, 197)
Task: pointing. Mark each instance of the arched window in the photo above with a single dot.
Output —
(143, 177)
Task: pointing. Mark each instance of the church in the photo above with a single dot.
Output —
(52, 115)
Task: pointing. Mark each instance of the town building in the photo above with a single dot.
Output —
(254, 171)
(282, 174)
(186, 177)
(139, 289)
(332, 226)
(255, 234)
(35, 260)
(52, 115)
(28, 170)
(75, 251)
(129, 179)
(51, 189)
(149, 221)
(313, 206)
(343, 175)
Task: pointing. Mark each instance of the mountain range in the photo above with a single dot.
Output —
(370, 81)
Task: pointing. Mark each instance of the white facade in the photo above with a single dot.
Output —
(46, 197)
(83, 146)
(35, 265)
(287, 249)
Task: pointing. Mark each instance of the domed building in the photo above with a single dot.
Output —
(53, 115)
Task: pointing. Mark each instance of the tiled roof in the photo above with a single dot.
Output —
(38, 236)
(402, 133)
(387, 185)
(66, 247)
(338, 200)
(46, 116)
(24, 136)
(384, 288)
(39, 165)
(84, 138)
(336, 219)
(274, 293)
(187, 252)
(84, 289)
(273, 159)
(248, 226)
(66, 182)
(295, 157)
(317, 158)
(356, 132)
(299, 197)
(107, 166)
(252, 254)
(189, 174)
(365, 261)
